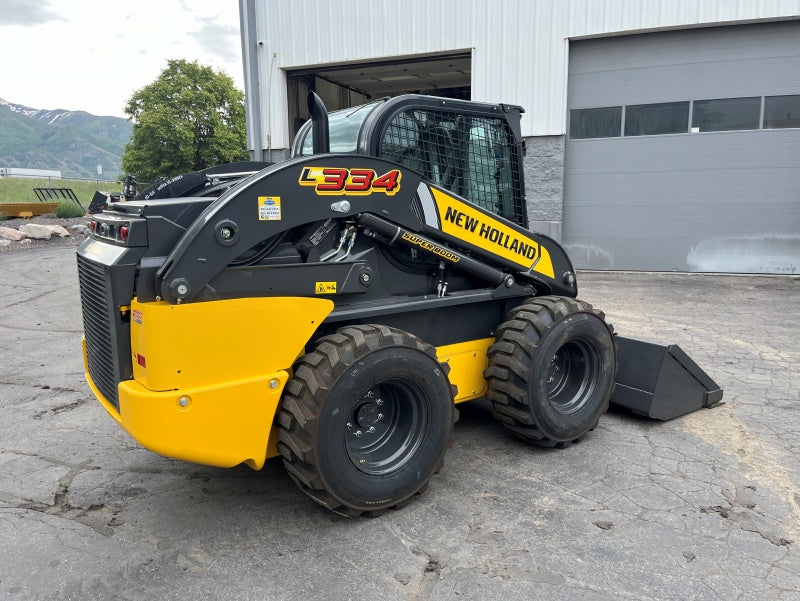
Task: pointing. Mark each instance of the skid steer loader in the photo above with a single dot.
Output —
(333, 308)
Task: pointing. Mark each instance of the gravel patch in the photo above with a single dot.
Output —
(74, 239)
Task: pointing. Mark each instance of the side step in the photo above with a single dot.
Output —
(661, 382)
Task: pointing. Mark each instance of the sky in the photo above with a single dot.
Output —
(91, 55)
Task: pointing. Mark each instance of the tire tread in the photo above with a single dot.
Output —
(317, 371)
(511, 356)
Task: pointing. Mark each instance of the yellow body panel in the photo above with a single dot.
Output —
(467, 360)
(203, 344)
(210, 394)
(208, 377)
(222, 425)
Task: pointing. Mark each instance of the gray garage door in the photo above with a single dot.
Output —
(683, 151)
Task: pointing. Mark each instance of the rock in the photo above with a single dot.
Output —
(9, 233)
(36, 231)
(4, 242)
(58, 230)
(79, 229)
(402, 578)
(25, 242)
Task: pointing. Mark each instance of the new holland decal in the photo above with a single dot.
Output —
(338, 181)
(479, 229)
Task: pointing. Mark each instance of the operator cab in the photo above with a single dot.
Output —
(470, 149)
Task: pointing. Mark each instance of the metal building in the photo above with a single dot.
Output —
(661, 134)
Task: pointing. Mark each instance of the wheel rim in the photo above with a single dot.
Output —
(385, 427)
(572, 376)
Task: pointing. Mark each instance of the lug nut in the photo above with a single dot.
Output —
(380, 417)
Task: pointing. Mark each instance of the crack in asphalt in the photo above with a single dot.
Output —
(40, 386)
(745, 522)
(431, 573)
(99, 517)
(60, 408)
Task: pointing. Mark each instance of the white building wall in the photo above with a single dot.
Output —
(519, 47)
(21, 172)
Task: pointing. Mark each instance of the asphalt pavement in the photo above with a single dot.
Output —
(706, 506)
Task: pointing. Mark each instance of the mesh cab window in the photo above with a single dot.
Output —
(472, 156)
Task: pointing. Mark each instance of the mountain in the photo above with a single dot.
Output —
(73, 141)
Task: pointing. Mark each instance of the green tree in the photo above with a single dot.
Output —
(191, 117)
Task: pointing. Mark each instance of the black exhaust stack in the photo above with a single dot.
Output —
(319, 124)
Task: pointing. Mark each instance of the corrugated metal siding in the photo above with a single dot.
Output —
(519, 46)
(674, 62)
(713, 201)
(723, 201)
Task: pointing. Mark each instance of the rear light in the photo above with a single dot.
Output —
(113, 232)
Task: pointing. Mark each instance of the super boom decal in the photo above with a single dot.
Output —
(431, 247)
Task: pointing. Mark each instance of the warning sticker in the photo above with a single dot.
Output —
(269, 208)
(326, 288)
(137, 316)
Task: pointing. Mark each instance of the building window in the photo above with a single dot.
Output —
(595, 123)
(726, 114)
(654, 119)
(781, 111)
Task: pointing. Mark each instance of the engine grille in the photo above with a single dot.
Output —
(97, 308)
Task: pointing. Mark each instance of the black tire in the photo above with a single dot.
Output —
(366, 420)
(551, 370)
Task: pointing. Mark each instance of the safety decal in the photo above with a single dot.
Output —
(479, 229)
(137, 316)
(269, 208)
(338, 181)
(326, 287)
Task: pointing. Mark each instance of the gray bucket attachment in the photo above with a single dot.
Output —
(661, 381)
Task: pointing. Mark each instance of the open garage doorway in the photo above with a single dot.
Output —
(345, 85)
